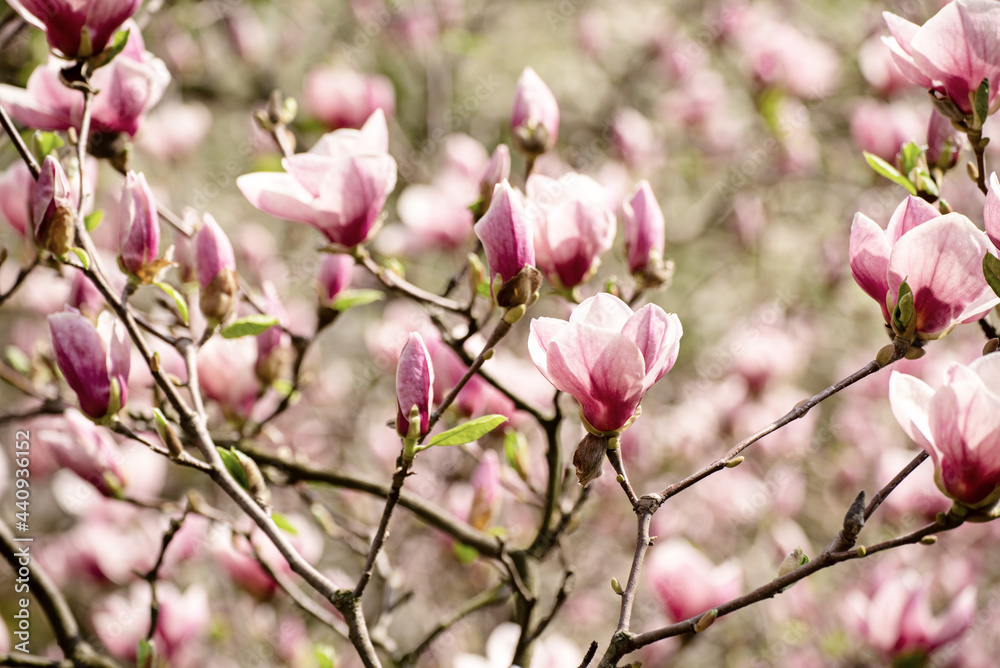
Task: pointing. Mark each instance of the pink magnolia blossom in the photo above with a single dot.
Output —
(606, 356)
(87, 450)
(138, 225)
(897, 620)
(339, 186)
(53, 208)
(129, 86)
(952, 52)
(94, 360)
(175, 129)
(958, 425)
(572, 226)
(687, 583)
(414, 385)
(506, 234)
(879, 70)
(883, 129)
(534, 120)
(226, 369)
(940, 258)
(645, 233)
(991, 211)
(343, 98)
(477, 397)
(334, 276)
(17, 188)
(216, 268)
(77, 29)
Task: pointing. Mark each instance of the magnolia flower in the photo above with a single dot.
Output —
(958, 425)
(342, 98)
(606, 356)
(339, 186)
(76, 29)
(17, 188)
(53, 208)
(687, 583)
(87, 450)
(216, 266)
(534, 120)
(139, 227)
(939, 257)
(952, 52)
(414, 386)
(573, 226)
(507, 240)
(128, 87)
(991, 210)
(645, 234)
(95, 361)
(334, 276)
(897, 619)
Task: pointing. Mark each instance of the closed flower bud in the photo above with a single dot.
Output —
(94, 361)
(534, 120)
(216, 271)
(139, 229)
(414, 387)
(52, 209)
(509, 247)
(645, 236)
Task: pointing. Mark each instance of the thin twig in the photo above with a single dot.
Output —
(394, 282)
(22, 149)
(21, 275)
(403, 464)
(885, 491)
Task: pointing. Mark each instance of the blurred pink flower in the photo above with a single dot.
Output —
(551, 651)
(343, 98)
(883, 129)
(687, 583)
(77, 29)
(572, 226)
(534, 120)
(339, 186)
(53, 208)
(17, 188)
(334, 276)
(414, 385)
(952, 52)
(606, 356)
(87, 450)
(226, 369)
(896, 619)
(879, 69)
(478, 397)
(132, 83)
(939, 256)
(487, 489)
(944, 142)
(991, 210)
(497, 171)
(636, 139)
(175, 129)
(94, 360)
(958, 425)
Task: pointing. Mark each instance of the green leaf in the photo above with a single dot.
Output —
(468, 432)
(465, 554)
(981, 107)
(93, 220)
(326, 656)
(43, 143)
(282, 523)
(250, 325)
(82, 256)
(117, 46)
(883, 168)
(904, 315)
(146, 656)
(908, 157)
(231, 459)
(991, 270)
(351, 298)
(178, 298)
(17, 360)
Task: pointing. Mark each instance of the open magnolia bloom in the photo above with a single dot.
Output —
(952, 52)
(958, 425)
(339, 186)
(938, 256)
(606, 356)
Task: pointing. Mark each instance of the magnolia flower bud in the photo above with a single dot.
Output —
(414, 387)
(77, 29)
(534, 121)
(510, 250)
(95, 361)
(53, 209)
(216, 271)
(497, 171)
(139, 229)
